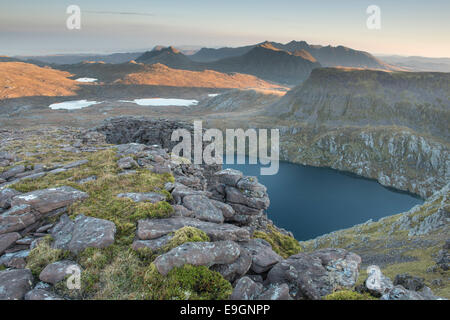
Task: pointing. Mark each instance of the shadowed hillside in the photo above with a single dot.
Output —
(334, 96)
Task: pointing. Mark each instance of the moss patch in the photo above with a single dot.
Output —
(43, 254)
(282, 244)
(348, 295)
(187, 282)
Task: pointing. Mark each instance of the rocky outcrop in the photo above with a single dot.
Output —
(312, 276)
(398, 158)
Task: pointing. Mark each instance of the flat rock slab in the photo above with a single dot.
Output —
(57, 271)
(229, 177)
(198, 254)
(152, 197)
(154, 245)
(84, 232)
(16, 218)
(14, 284)
(51, 199)
(75, 164)
(155, 228)
(203, 208)
(7, 239)
(235, 195)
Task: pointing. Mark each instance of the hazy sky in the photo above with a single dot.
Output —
(29, 27)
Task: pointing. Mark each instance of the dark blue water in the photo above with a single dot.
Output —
(313, 201)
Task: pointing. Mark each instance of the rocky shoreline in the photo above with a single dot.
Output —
(73, 200)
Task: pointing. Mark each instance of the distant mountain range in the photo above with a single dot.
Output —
(263, 61)
(419, 63)
(287, 64)
(327, 56)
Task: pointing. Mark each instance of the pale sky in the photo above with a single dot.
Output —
(30, 27)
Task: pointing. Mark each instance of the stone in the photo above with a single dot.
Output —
(229, 177)
(181, 211)
(50, 199)
(179, 191)
(236, 269)
(263, 257)
(14, 259)
(154, 245)
(312, 276)
(400, 293)
(57, 271)
(154, 228)
(227, 210)
(252, 185)
(152, 197)
(127, 163)
(198, 254)
(17, 218)
(87, 179)
(246, 289)
(341, 265)
(62, 232)
(384, 286)
(14, 284)
(276, 292)
(84, 232)
(40, 294)
(11, 173)
(7, 239)
(5, 197)
(203, 208)
(75, 164)
(234, 195)
(409, 282)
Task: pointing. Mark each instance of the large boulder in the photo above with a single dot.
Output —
(312, 276)
(203, 208)
(51, 199)
(14, 284)
(57, 271)
(84, 232)
(155, 228)
(263, 257)
(198, 254)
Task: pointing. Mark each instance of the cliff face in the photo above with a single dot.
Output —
(332, 96)
(395, 157)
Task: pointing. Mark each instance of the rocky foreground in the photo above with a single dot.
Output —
(140, 223)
